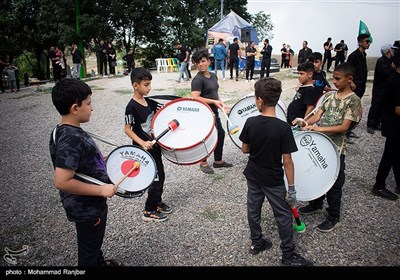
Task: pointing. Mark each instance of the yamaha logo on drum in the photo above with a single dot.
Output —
(187, 109)
(247, 108)
(307, 140)
(132, 155)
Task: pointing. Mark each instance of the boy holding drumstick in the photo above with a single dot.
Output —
(336, 115)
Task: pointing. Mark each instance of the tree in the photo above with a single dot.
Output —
(264, 26)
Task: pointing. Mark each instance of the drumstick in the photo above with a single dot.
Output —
(172, 125)
(135, 166)
(299, 226)
(232, 128)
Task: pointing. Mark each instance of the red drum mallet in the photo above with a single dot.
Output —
(172, 125)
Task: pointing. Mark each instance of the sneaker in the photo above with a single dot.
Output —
(352, 135)
(267, 244)
(178, 81)
(206, 169)
(221, 165)
(223, 79)
(164, 208)
(231, 78)
(329, 224)
(384, 193)
(370, 130)
(296, 260)
(308, 210)
(153, 216)
(237, 79)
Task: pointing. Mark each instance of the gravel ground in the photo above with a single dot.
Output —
(208, 226)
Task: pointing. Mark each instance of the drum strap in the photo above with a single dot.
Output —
(83, 176)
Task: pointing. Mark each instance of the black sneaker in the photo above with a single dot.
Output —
(296, 260)
(164, 208)
(329, 224)
(221, 165)
(154, 216)
(308, 210)
(384, 193)
(267, 244)
(206, 169)
(370, 130)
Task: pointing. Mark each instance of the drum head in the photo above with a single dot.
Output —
(245, 108)
(316, 164)
(122, 159)
(195, 137)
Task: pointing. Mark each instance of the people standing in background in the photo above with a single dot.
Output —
(130, 62)
(76, 61)
(102, 54)
(11, 73)
(391, 130)
(3, 66)
(15, 64)
(328, 47)
(341, 52)
(251, 53)
(283, 55)
(304, 53)
(188, 64)
(220, 55)
(183, 58)
(266, 59)
(112, 58)
(383, 70)
(291, 55)
(233, 56)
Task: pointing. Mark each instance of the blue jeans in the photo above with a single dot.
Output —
(222, 65)
(183, 69)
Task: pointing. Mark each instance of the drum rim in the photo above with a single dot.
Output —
(242, 99)
(337, 161)
(140, 148)
(175, 101)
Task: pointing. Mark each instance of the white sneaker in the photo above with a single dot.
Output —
(247, 81)
(223, 79)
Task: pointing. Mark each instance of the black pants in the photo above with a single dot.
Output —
(103, 65)
(334, 195)
(390, 159)
(327, 58)
(221, 138)
(90, 237)
(234, 63)
(265, 65)
(155, 191)
(360, 90)
(281, 210)
(112, 68)
(374, 114)
(250, 69)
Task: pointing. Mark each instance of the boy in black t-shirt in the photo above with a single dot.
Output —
(306, 96)
(73, 151)
(139, 114)
(270, 142)
(319, 77)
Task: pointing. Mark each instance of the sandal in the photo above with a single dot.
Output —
(111, 262)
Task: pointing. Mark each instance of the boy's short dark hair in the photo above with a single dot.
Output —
(346, 68)
(199, 54)
(220, 40)
(306, 66)
(315, 56)
(362, 37)
(235, 39)
(67, 92)
(269, 90)
(140, 74)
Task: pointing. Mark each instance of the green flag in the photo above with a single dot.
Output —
(363, 29)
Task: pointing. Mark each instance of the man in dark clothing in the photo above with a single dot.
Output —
(3, 65)
(340, 50)
(328, 47)
(383, 70)
(251, 53)
(358, 59)
(266, 59)
(103, 57)
(304, 53)
(233, 55)
(129, 60)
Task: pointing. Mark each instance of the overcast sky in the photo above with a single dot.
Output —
(315, 21)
